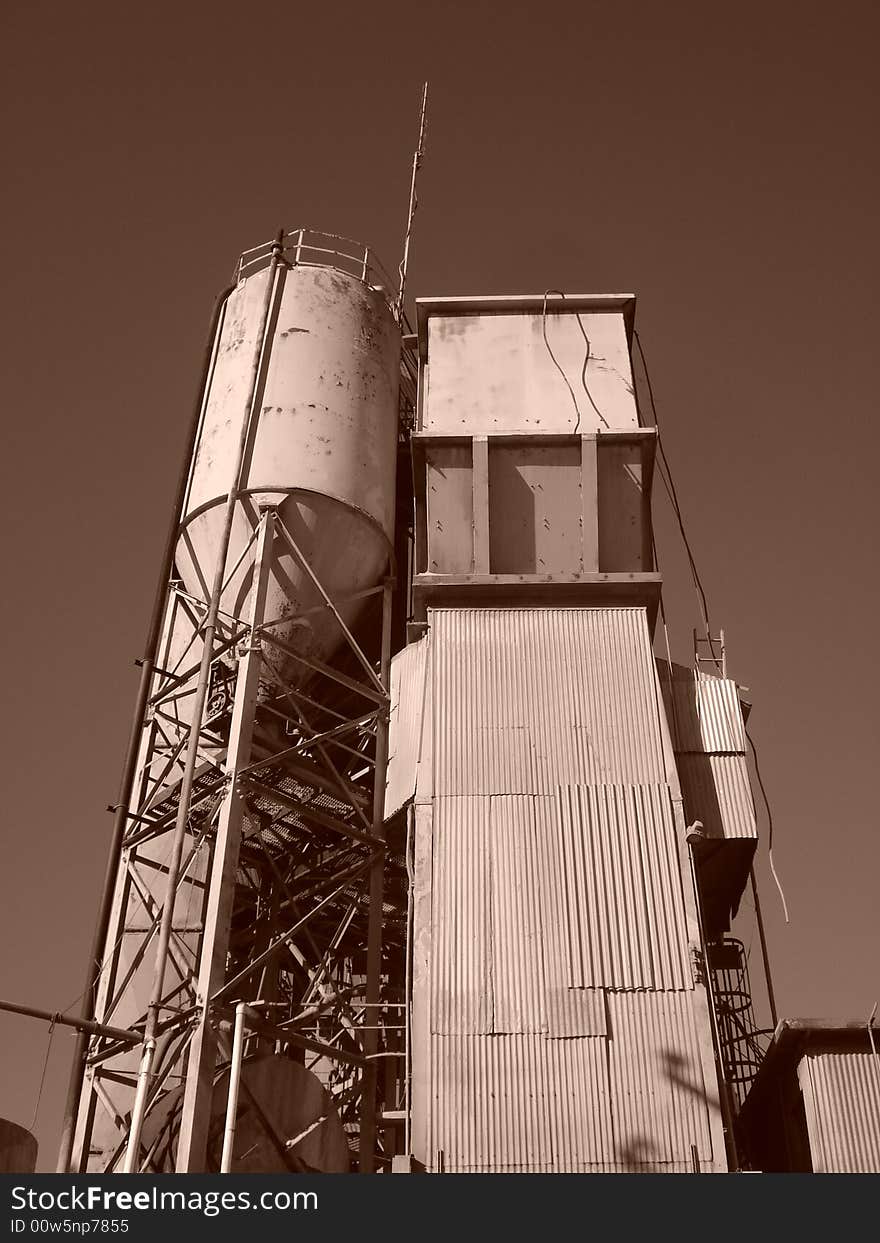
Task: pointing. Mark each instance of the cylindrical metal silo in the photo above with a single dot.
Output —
(321, 445)
(18, 1149)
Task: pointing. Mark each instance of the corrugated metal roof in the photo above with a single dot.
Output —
(622, 881)
(716, 790)
(408, 669)
(660, 1100)
(528, 699)
(707, 715)
(519, 1103)
(842, 1104)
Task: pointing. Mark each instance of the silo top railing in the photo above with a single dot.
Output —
(305, 247)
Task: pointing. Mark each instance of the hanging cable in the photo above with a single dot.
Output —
(43, 1075)
(769, 822)
(587, 354)
(669, 484)
(665, 472)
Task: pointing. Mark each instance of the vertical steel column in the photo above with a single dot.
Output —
(368, 1130)
(198, 709)
(129, 767)
(198, 1091)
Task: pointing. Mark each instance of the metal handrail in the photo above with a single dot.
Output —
(307, 247)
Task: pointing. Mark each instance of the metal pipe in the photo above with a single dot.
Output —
(234, 1083)
(762, 938)
(139, 1109)
(377, 890)
(129, 767)
(407, 1068)
(192, 752)
(83, 1025)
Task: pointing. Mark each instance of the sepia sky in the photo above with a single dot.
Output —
(718, 161)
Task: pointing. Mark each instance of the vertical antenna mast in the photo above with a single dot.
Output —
(413, 200)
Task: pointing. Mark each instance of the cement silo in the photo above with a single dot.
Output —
(244, 909)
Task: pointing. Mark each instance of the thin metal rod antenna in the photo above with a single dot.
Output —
(413, 200)
(131, 1163)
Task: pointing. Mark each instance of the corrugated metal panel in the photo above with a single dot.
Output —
(622, 882)
(408, 670)
(707, 715)
(516, 920)
(716, 790)
(570, 1011)
(500, 958)
(519, 1103)
(527, 699)
(660, 1102)
(842, 1104)
(461, 984)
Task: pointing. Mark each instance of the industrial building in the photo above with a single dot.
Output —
(426, 852)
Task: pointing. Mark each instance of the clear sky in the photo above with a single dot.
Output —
(717, 160)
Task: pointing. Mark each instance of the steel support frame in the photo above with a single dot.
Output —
(253, 823)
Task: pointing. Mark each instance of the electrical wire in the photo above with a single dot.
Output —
(669, 484)
(769, 822)
(558, 293)
(665, 472)
(43, 1075)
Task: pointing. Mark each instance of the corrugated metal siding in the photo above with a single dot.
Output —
(660, 1101)
(542, 896)
(716, 790)
(528, 699)
(408, 670)
(517, 944)
(461, 919)
(842, 1103)
(622, 881)
(707, 714)
(519, 1103)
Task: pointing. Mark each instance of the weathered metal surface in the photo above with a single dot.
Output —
(623, 885)
(493, 370)
(661, 1101)
(322, 445)
(535, 508)
(716, 791)
(526, 700)
(408, 672)
(842, 1102)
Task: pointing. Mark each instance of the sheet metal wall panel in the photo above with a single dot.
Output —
(461, 918)
(660, 1101)
(547, 1108)
(578, 683)
(716, 790)
(408, 672)
(623, 888)
(517, 933)
(493, 372)
(842, 1104)
(570, 1011)
(708, 716)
